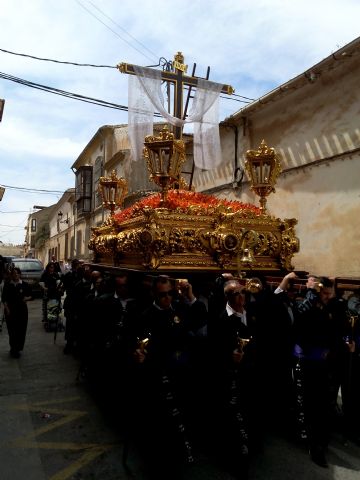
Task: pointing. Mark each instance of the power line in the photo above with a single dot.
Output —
(242, 96)
(32, 190)
(14, 211)
(123, 29)
(141, 44)
(12, 226)
(91, 100)
(55, 61)
(63, 93)
(116, 33)
(75, 96)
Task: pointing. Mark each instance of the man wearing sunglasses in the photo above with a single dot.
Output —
(171, 337)
(231, 338)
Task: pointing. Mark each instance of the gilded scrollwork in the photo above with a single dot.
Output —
(162, 238)
(290, 244)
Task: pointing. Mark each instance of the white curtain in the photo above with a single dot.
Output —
(145, 96)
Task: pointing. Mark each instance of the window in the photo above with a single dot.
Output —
(33, 224)
(83, 189)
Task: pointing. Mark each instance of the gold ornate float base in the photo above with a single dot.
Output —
(196, 239)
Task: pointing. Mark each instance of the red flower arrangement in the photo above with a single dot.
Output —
(182, 201)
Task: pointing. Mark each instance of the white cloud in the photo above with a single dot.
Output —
(17, 137)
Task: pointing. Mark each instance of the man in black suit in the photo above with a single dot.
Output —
(319, 331)
(232, 348)
(171, 334)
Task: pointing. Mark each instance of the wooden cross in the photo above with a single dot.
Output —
(179, 79)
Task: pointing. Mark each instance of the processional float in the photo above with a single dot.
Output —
(177, 229)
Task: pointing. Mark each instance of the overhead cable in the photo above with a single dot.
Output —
(123, 29)
(160, 62)
(116, 33)
(63, 93)
(32, 190)
(56, 61)
(75, 96)
(14, 211)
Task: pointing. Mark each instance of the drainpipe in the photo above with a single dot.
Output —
(238, 170)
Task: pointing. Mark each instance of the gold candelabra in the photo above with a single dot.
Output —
(263, 168)
(112, 190)
(164, 157)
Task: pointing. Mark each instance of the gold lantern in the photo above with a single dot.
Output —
(263, 168)
(112, 190)
(164, 157)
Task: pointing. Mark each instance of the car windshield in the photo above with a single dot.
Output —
(26, 266)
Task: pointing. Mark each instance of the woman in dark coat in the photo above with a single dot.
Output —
(51, 280)
(15, 294)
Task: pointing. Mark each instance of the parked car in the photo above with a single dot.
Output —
(31, 271)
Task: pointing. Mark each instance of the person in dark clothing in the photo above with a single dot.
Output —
(57, 267)
(88, 312)
(350, 371)
(319, 340)
(81, 289)
(284, 317)
(15, 294)
(232, 343)
(52, 286)
(70, 280)
(51, 280)
(269, 343)
(121, 310)
(170, 340)
(111, 319)
(89, 346)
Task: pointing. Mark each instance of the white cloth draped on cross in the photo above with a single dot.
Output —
(146, 97)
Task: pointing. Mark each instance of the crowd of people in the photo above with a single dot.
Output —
(209, 362)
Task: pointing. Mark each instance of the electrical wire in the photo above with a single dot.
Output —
(15, 211)
(64, 93)
(141, 44)
(14, 227)
(32, 190)
(242, 96)
(55, 61)
(116, 33)
(162, 61)
(11, 226)
(123, 29)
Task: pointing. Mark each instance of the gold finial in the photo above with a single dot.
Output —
(179, 57)
(178, 62)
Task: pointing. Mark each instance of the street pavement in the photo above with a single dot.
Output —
(51, 427)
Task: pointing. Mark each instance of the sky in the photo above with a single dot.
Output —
(253, 46)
